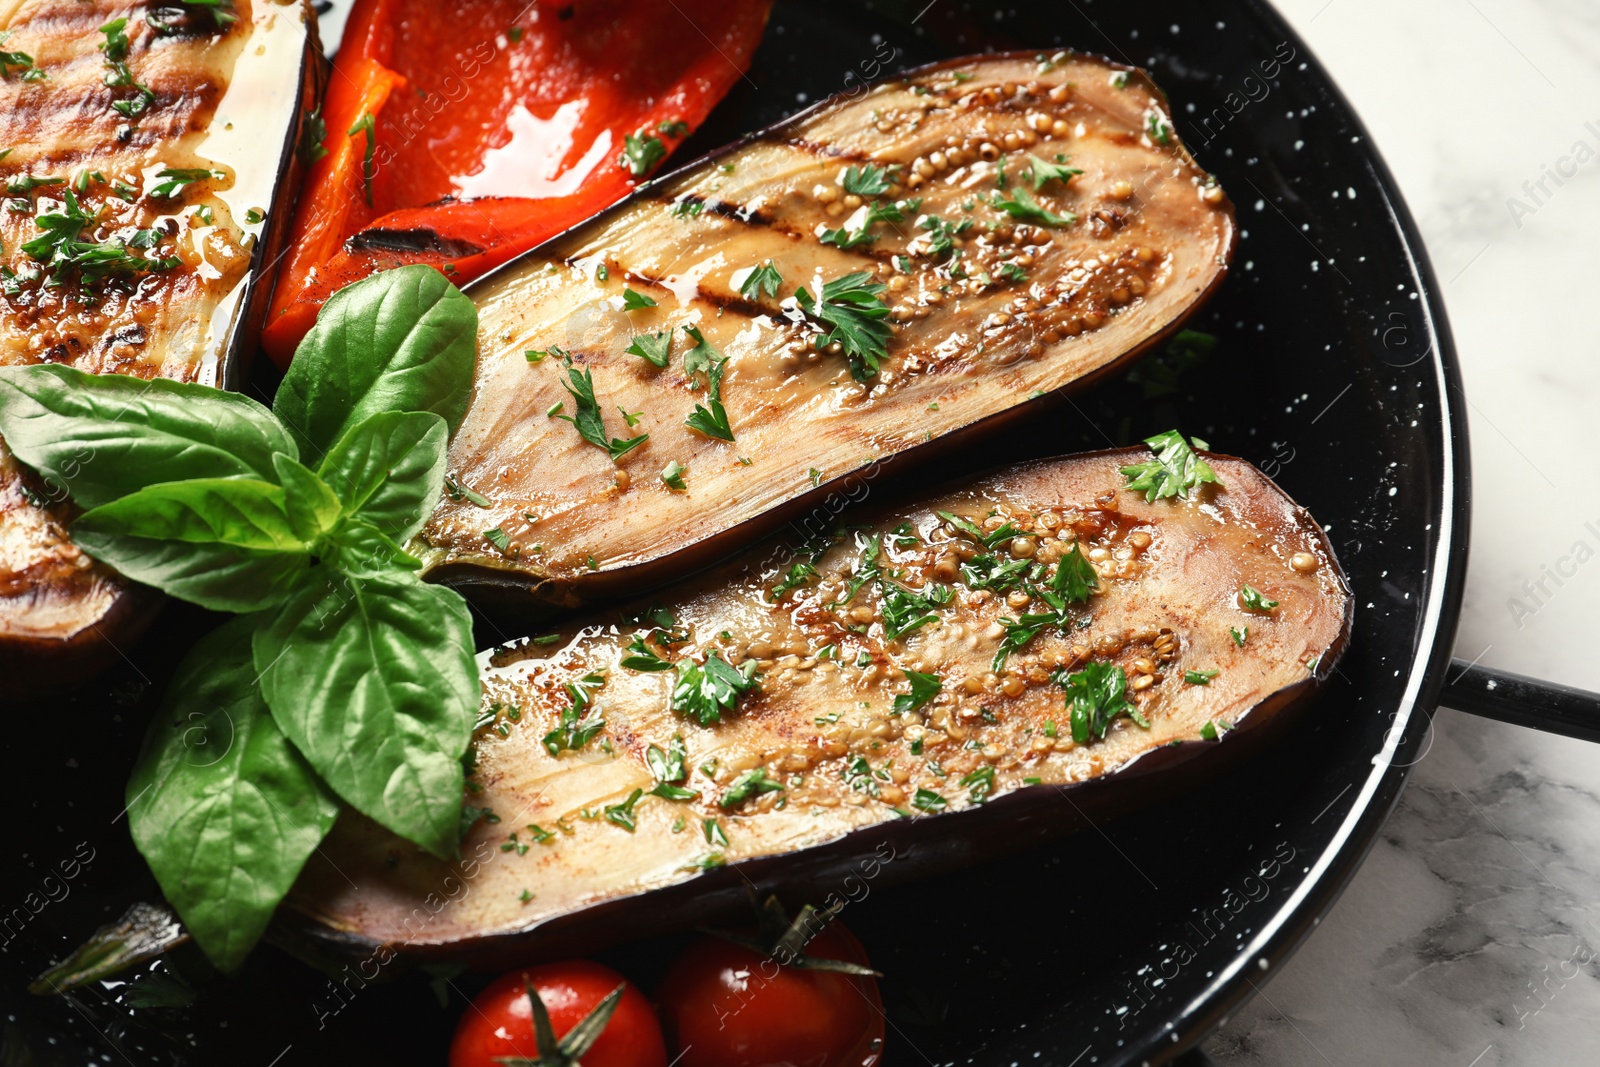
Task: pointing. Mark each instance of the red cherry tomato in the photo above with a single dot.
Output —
(499, 1021)
(724, 1005)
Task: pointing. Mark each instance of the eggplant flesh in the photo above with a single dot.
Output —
(986, 764)
(225, 97)
(989, 313)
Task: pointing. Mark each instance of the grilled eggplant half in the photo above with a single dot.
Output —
(886, 273)
(939, 682)
(150, 149)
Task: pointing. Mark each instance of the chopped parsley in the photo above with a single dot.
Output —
(979, 784)
(578, 724)
(641, 153)
(924, 687)
(929, 801)
(653, 347)
(641, 657)
(669, 764)
(60, 250)
(868, 180)
(22, 62)
(1041, 171)
(458, 492)
(1254, 601)
(942, 233)
(23, 184)
(710, 418)
(850, 306)
(687, 207)
(1119, 80)
(672, 475)
(751, 783)
(714, 834)
(1096, 695)
(764, 278)
(588, 420)
(905, 610)
(622, 814)
(1208, 732)
(497, 537)
(115, 46)
(815, 476)
(1012, 272)
(1075, 577)
(672, 127)
(799, 574)
(1239, 635)
(312, 134)
(1022, 205)
(1200, 677)
(176, 179)
(369, 171)
(1174, 472)
(632, 301)
(1157, 126)
(705, 691)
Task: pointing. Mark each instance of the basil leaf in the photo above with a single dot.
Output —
(389, 470)
(102, 436)
(311, 506)
(360, 550)
(374, 681)
(400, 340)
(222, 807)
(224, 543)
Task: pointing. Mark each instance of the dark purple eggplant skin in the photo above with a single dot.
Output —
(63, 622)
(893, 850)
(528, 588)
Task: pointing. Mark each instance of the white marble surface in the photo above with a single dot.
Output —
(1471, 937)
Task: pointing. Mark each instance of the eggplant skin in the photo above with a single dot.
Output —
(825, 724)
(1023, 313)
(225, 99)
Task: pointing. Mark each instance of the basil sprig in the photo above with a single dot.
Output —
(344, 677)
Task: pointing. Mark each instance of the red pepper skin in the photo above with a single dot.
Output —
(493, 135)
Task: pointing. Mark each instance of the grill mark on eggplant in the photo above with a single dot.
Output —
(1066, 320)
(377, 239)
(1170, 607)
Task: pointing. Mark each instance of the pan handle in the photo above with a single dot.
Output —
(1522, 701)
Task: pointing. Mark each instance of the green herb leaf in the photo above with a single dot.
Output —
(369, 170)
(1239, 635)
(714, 833)
(702, 357)
(1041, 171)
(224, 543)
(222, 807)
(799, 574)
(375, 683)
(852, 309)
(1075, 578)
(1200, 677)
(175, 180)
(1174, 472)
(1157, 126)
(632, 301)
(1095, 696)
(588, 420)
(400, 340)
(1022, 205)
(764, 278)
(929, 801)
(751, 783)
(670, 764)
(390, 469)
(705, 691)
(1254, 601)
(312, 506)
(641, 153)
(643, 657)
(102, 436)
(979, 784)
(867, 180)
(712, 421)
(672, 475)
(622, 814)
(924, 687)
(651, 346)
(1208, 732)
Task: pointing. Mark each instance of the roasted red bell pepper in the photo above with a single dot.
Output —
(495, 125)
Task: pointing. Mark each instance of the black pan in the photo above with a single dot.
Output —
(1126, 944)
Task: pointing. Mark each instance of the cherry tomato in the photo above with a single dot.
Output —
(724, 1005)
(500, 1020)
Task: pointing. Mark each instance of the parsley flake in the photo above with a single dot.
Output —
(764, 278)
(632, 301)
(1096, 695)
(704, 691)
(850, 306)
(1174, 472)
(1254, 601)
(924, 687)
